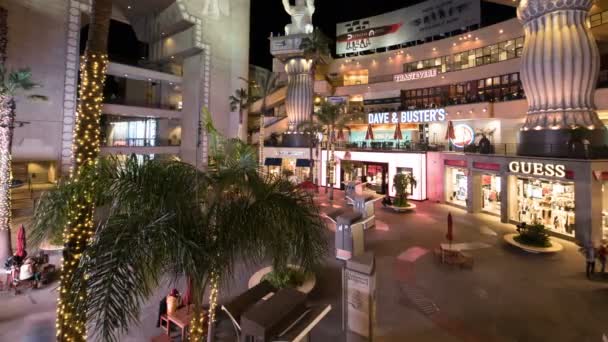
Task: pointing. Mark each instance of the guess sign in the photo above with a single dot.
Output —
(538, 169)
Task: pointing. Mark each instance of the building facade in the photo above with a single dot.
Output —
(190, 57)
(458, 100)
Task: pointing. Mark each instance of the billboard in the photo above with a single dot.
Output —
(426, 19)
(406, 117)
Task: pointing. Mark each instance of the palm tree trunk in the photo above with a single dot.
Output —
(261, 141)
(332, 162)
(7, 120)
(71, 318)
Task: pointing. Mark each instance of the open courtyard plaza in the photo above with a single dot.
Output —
(509, 295)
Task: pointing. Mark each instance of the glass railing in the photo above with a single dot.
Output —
(573, 151)
(137, 103)
(141, 142)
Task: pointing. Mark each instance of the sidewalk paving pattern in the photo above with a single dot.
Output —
(508, 296)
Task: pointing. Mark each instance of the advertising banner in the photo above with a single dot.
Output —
(415, 75)
(427, 19)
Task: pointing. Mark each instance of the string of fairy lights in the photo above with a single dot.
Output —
(71, 320)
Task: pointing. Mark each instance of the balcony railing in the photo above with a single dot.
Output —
(573, 151)
(146, 104)
(143, 142)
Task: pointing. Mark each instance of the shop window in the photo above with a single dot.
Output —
(456, 187)
(547, 202)
(490, 192)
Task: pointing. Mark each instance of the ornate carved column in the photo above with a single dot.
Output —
(300, 91)
(559, 71)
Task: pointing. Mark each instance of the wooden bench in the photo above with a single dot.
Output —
(238, 305)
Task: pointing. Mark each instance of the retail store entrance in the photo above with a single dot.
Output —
(374, 174)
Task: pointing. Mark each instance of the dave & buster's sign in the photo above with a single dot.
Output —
(415, 75)
(410, 116)
(427, 19)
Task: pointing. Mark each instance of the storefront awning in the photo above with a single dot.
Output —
(273, 161)
(302, 163)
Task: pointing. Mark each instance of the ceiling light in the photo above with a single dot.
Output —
(129, 7)
(453, 44)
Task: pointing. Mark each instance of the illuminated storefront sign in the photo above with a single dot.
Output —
(464, 136)
(415, 75)
(538, 169)
(410, 116)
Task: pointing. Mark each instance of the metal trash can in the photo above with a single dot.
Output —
(360, 294)
(364, 205)
(350, 240)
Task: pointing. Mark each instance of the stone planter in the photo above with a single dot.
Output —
(307, 286)
(554, 248)
(410, 207)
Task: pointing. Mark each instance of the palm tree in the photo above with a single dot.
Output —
(240, 101)
(266, 83)
(85, 150)
(11, 83)
(315, 47)
(333, 117)
(165, 219)
(313, 129)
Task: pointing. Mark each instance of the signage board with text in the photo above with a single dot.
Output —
(417, 22)
(415, 75)
(409, 116)
(538, 169)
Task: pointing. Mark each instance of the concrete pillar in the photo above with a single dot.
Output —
(588, 208)
(474, 194)
(505, 196)
(560, 67)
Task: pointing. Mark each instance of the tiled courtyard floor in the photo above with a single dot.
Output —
(508, 296)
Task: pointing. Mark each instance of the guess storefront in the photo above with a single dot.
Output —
(564, 195)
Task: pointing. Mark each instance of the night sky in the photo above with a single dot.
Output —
(269, 16)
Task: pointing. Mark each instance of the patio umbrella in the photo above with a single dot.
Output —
(340, 134)
(21, 242)
(398, 135)
(450, 234)
(370, 133)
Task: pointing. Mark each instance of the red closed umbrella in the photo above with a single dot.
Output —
(450, 234)
(450, 134)
(398, 135)
(21, 242)
(187, 298)
(369, 135)
(340, 134)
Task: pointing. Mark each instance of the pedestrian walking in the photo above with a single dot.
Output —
(590, 256)
(602, 254)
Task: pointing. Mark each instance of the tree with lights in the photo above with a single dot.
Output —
(167, 219)
(11, 83)
(79, 228)
(312, 129)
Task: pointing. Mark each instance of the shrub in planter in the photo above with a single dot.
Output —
(401, 183)
(533, 235)
(287, 277)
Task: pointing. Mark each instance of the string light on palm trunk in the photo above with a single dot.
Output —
(71, 320)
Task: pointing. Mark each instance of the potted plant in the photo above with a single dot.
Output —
(401, 183)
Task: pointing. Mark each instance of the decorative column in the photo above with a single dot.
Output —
(560, 67)
(299, 100)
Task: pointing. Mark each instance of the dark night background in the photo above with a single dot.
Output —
(269, 16)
